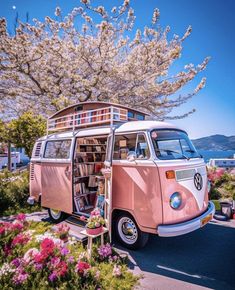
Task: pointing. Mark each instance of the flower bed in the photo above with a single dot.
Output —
(222, 184)
(34, 257)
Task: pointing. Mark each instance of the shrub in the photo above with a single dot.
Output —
(222, 184)
(14, 192)
(214, 194)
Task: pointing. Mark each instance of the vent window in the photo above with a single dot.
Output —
(31, 171)
(37, 149)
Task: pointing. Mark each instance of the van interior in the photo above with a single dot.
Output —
(88, 182)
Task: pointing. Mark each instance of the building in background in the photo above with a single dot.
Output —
(18, 157)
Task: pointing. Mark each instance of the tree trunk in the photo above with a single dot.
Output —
(9, 156)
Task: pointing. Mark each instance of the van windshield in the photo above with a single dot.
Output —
(170, 145)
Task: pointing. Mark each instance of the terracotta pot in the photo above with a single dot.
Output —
(94, 231)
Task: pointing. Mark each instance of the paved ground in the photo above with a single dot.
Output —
(204, 259)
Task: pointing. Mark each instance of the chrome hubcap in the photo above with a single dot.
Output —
(127, 230)
(55, 213)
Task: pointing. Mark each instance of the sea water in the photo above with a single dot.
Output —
(207, 155)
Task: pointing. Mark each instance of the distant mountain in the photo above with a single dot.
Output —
(215, 143)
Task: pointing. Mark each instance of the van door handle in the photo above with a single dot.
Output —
(67, 172)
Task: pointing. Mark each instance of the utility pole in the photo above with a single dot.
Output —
(9, 155)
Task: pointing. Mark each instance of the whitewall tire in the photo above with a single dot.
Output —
(56, 216)
(128, 233)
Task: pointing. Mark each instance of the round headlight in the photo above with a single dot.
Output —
(175, 200)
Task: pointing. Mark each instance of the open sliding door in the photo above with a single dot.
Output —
(107, 172)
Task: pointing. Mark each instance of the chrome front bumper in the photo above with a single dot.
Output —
(189, 226)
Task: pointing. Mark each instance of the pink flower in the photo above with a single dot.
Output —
(21, 217)
(82, 267)
(95, 212)
(20, 239)
(55, 261)
(30, 254)
(17, 225)
(82, 218)
(40, 257)
(2, 230)
(47, 246)
(62, 269)
(117, 271)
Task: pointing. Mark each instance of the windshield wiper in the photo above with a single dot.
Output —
(171, 151)
(193, 151)
(190, 150)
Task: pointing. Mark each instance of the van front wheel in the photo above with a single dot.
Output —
(56, 216)
(128, 232)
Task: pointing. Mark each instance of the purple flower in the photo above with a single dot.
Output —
(105, 251)
(38, 266)
(64, 251)
(20, 278)
(70, 259)
(52, 277)
(16, 262)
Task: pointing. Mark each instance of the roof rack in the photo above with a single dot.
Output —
(87, 118)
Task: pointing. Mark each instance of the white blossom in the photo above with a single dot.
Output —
(52, 64)
(6, 269)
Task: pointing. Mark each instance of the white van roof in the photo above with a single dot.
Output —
(123, 128)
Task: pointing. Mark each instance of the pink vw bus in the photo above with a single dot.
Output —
(157, 181)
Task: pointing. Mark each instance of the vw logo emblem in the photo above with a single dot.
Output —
(198, 181)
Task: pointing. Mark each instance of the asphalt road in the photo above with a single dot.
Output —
(204, 259)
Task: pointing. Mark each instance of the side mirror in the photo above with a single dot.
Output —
(131, 156)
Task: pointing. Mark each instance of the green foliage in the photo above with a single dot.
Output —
(2, 131)
(25, 130)
(215, 194)
(14, 191)
(217, 204)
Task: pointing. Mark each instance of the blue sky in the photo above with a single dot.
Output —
(213, 25)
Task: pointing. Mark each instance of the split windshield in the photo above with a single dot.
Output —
(170, 145)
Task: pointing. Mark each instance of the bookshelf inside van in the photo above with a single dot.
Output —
(89, 157)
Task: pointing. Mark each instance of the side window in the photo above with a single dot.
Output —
(57, 149)
(123, 145)
(142, 148)
(127, 144)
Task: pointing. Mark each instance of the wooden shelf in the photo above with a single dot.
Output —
(101, 152)
(85, 194)
(86, 144)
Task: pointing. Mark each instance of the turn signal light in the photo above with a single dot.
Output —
(170, 174)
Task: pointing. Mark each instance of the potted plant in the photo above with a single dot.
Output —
(62, 231)
(95, 223)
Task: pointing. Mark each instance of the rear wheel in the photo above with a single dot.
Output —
(128, 233)
(56, 216)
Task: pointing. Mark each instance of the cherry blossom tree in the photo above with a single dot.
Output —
(48, 65)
